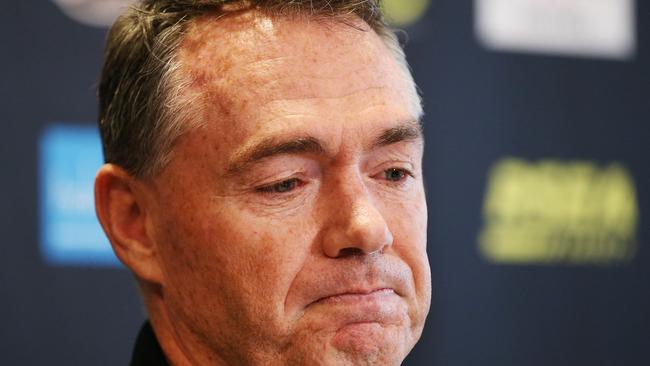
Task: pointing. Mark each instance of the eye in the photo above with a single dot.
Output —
(280, 187)
(396, 174)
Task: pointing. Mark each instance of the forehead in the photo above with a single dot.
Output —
(215, 45)
(251, 68)
(270, 53)
(233, 33)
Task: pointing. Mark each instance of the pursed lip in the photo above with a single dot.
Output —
(361, 283)
(377, 304)
(356, 296)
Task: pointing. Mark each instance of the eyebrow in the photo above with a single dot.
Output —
(272, 146)
(410, 131)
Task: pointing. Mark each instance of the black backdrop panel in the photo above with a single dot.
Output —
(481, 107)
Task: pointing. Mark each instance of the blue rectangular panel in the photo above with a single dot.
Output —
(70, 234)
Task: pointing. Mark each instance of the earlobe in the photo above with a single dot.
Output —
(121, 208)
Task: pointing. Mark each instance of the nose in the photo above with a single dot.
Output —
(356, 225)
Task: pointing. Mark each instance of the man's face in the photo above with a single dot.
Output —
(291, 226)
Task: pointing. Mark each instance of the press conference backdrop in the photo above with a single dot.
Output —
(537, 170)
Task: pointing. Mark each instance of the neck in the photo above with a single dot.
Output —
(175, 340)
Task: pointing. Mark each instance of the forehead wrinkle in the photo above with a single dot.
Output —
(365, 104)
(322, 97)
(262, 62)
(321, 73)
(296, 84)
(278, 117)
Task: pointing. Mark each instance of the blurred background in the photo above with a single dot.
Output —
(537, 167)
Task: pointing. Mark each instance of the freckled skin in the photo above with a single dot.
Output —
(243, 271)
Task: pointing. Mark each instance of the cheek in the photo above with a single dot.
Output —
(246, 259)
(408, 223)
(410, 244)
(407, 220)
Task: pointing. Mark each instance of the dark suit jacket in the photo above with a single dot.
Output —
(147, 351)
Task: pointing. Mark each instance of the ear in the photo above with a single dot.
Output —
(121, 207)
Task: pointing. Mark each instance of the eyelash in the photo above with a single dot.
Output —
(405, 174)
(287, 186)
(277, 188)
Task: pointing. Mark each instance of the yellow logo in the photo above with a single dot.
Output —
(404, 12)
(559, 212)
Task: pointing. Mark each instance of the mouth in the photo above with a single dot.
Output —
(345, 308)
(356, 297)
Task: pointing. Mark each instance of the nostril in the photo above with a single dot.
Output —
(350, 252)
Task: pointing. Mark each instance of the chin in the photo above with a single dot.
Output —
(369, 344)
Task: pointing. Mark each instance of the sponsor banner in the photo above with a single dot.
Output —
(596, 28)
(70, 234)
(552, 211)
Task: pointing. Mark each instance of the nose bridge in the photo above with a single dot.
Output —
(356, 224)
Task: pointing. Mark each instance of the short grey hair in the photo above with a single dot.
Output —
(143, 109)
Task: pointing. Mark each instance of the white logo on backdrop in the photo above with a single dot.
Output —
(596, 28)
(97, 13)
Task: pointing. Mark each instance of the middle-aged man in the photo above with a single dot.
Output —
(263, 182)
